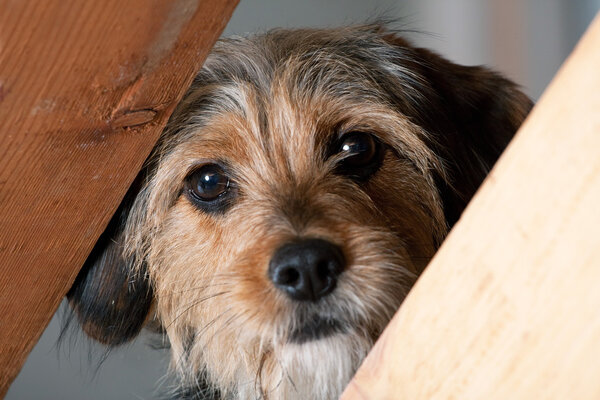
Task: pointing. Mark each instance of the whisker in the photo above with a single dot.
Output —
(258, 382)
(174, 292)
(213, 277)
(212, 322)
(227, 323)
(194, 304)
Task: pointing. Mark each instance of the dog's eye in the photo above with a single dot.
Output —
(208, 182)
(362, 155)
(358, 148)
(208, 187)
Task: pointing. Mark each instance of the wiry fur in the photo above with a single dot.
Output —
(268, 108)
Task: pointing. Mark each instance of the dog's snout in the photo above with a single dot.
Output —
(308, 269)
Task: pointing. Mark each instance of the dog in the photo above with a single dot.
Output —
(296, 194)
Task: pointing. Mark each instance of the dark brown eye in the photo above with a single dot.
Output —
(358, 149)
(362, 155)
(209, 188)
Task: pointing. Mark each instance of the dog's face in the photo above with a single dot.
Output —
(299, 189)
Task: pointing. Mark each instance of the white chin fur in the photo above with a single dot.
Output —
(318, 370)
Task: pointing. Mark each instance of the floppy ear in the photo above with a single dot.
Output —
(111, 302)
(476, 112)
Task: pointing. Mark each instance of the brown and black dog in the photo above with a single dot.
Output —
(299, 189)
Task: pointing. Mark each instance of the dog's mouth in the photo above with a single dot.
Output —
(316, 328)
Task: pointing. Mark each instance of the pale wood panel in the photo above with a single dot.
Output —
(510, 306)
(85, 89)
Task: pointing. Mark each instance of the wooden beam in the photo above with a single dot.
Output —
(85, 89)
(510, 306)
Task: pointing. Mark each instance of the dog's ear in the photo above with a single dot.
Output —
(111, 301)
(476, 113)
(471, 113)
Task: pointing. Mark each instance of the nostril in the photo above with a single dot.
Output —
(287, 276)
(323, 269)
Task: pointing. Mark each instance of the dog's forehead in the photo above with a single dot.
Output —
(273, 105)
(281, 128)
(278, 92)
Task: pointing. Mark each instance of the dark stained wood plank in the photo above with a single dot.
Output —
(85, 89)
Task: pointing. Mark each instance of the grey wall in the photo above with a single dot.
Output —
(528, 40)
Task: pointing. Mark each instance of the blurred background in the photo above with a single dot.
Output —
(527, 40)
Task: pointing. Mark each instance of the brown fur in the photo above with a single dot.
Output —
(269, 108)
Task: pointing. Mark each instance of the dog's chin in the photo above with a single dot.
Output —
(318, 361)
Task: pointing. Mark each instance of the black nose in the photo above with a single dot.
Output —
(307, 269)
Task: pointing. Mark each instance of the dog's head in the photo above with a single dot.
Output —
(299, 189)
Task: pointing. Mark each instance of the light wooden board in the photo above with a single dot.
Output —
(85, 89)
(510, 306)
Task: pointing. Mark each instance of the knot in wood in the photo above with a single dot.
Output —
(129, 118)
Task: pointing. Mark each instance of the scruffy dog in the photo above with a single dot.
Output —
(299, 189)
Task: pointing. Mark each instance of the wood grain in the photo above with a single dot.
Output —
(85, 89)
(510, 306)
